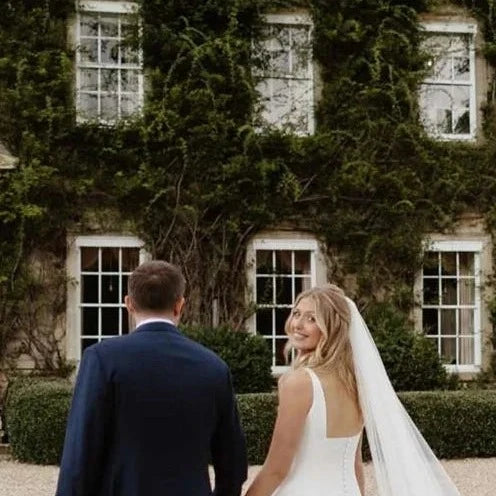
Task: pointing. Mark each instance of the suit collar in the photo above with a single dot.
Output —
(156, 325)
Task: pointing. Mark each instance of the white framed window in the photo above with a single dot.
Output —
(109, 76)
(448, 93)
(451, 302)
(286, 81)
(99, 267)
(280, 270)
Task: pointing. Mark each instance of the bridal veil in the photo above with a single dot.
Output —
(404, 464)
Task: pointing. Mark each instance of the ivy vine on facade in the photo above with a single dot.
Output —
(264, 146)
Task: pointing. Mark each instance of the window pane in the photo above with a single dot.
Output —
(280, 63)
(448, 322)
(124, 280)
(89, 259)
(110, 51)
(431, 292)
(283, 262)
(461, 122)
(110, 321)
(461, 68)
(129, 105)
(88, 49)
(85, 342)
(110, 289)
(448, 264)
(467, 355)
(88, 105)
(129, 56)
(280, 102)
(130, 81)
(89, 320)
(89, 289)
(466, 263)
(280, 344)
(449, 296)
(431, 263)
(108, 81)
(109, 26)
(264, 261)
(280, 36)
(125, 321)
(467, 291)
(448, 350)
(284, 295)
(302, 262)
(109, 107)
(429, 321)
(461, 97)
(110, 260)
(281, 317)
(130, 259)
(265, 290)
(264, 321)
(89, 25)
(89, 79)
(444, 121)
(302, 284)
(466, 321)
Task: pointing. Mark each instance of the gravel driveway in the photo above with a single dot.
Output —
(474, 477)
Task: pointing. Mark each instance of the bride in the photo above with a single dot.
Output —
(338, 386)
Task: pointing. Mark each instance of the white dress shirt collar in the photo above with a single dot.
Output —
(155, 319)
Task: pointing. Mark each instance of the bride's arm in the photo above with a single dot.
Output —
(295, 399)
(359, 468)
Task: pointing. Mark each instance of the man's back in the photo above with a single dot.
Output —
(148, 412)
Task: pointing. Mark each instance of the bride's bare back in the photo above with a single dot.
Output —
(343, 414)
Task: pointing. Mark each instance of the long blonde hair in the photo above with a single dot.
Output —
(333, 351)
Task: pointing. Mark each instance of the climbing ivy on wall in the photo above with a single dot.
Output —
(193, 176)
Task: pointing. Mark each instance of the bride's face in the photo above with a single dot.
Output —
(304, 332)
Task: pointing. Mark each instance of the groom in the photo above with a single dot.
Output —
(150, 409)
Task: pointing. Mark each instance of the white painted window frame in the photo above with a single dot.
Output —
(298, 19)
(294, 244)
(475, 247)
(456, 27)
(104, 7)
(73, 266)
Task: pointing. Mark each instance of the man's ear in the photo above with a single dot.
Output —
(178, 307)
(128, 301)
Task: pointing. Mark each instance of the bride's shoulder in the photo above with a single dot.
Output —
(295, 390)
(295, 380)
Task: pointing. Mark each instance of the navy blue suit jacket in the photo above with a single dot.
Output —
(149, 411)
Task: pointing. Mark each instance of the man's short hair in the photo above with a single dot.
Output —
(156, 286)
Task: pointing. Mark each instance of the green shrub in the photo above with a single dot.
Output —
(247, 355)
(36, 414)
(456, 424)
(412, 362)
(257, 413)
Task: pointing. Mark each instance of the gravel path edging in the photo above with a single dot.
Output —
(472, 476)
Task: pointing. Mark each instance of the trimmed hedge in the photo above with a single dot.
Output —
(36, 414)
(247, 356)
(258, 414)
(456, 424)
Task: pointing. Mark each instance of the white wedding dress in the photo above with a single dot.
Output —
(322, 466)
